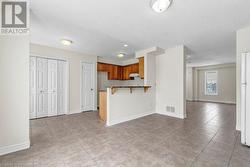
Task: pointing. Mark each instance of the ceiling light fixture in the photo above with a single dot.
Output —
(188, 57)
(120, 55)
(125, 45)
(160, 6)
(66, 42)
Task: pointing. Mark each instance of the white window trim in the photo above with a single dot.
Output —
(211, 94)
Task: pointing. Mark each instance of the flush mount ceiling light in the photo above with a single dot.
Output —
(66, 42)
(125, 45)
(160, 6)
(120, 55)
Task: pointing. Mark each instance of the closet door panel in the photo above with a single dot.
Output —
(32, 87)
(42, 87)
(52, 87)
(61, 88)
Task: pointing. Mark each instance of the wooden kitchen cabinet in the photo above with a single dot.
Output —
(125, 72)
(113, 73)
(116, 72)
(102, 67)
(103, 105)
(141, 67)
(134, 68)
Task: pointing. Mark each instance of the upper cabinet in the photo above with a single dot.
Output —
(116, 72)
(141, 67)
(102, 67)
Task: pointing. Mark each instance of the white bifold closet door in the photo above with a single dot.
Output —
(52, 87)
(47, 87)
(42, 87)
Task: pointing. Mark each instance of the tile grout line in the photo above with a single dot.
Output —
(232, 151)
(206, 144)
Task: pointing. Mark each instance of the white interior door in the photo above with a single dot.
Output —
(87, 87)
(42, 87)
(52, 87)
(245, 99)
(247, 111)
(32, 87)
(61, 88)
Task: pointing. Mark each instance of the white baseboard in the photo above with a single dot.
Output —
(74, 112)
(13, 148)
(128, 118)
(238, 127)
(171, 115)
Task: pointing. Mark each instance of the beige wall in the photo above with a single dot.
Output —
(170, 82)
(189, 83)
(226, 83)
(243, 45)
(14, 93)
(74, 60)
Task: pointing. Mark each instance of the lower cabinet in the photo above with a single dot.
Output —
(103, 105)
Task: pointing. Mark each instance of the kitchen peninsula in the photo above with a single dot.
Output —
(122, 103)
(127, 90)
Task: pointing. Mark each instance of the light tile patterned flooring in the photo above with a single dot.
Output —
(206, 138)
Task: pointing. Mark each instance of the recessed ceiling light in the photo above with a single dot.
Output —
(160, 6)
(125, 45)
(120, 55)
(66, 42)
(188, 56)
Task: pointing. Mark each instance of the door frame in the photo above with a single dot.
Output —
(81, 84)
(67, 76)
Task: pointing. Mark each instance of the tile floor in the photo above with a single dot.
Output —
(206, 138)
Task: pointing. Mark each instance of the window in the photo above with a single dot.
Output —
(211, 86)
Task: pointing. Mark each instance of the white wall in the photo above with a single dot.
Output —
(74, 60)
(170, 82)
(14, 93)
(124, 106)
(149, 70)
(243, 45)
(226, 83)
(189, 83)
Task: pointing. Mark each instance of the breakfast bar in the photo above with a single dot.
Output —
(123, 103)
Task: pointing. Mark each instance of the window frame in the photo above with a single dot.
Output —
(211, 94)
